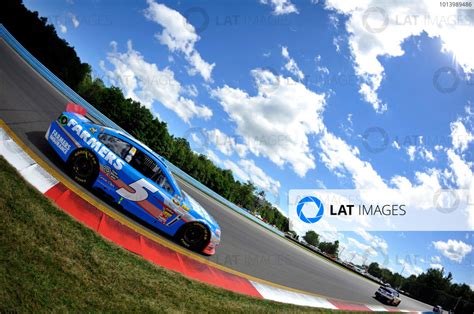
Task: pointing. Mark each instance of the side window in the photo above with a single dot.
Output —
(162, 180)
(144, 164)
(118, 146)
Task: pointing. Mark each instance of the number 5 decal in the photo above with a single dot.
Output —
(140, 193)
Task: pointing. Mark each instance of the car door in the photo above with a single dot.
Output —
(132, 187)
(172, 217)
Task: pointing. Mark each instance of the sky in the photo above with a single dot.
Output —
(303, 95)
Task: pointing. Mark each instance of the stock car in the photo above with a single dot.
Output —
(387, 294)
(132, 176)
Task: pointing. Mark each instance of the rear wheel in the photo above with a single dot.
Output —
(83, 166)
(194, 235)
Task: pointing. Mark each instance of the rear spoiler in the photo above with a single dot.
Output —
(75, 108)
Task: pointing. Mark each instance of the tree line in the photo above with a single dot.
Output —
(41, 40)
(331, 248)
(432, 287)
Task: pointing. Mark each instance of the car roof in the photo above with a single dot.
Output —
(144, 147)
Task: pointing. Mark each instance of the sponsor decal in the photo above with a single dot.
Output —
(110, 172)
(95, 145)
(63, 120)
(60, 142)
(165, 214)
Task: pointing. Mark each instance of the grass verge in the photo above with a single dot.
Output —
(50, 262)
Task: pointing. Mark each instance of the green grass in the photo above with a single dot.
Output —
(50, 262)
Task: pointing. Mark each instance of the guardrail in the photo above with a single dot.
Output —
(101, 118)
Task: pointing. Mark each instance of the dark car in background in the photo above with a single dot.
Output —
(388, 295)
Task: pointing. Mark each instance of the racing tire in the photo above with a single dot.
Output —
(194, 236)
(83, 166)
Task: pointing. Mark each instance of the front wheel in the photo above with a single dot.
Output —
(83, 166)
(194, 235)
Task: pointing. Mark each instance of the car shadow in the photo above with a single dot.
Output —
(384, 303)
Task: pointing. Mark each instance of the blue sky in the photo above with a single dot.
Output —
(302, 95)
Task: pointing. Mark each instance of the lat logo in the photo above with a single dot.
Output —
(344, 210)
(310, 201)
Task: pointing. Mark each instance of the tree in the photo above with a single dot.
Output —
(374, 270)
(331, 248)
(311, 237)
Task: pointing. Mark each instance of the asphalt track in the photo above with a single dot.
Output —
(28, 104)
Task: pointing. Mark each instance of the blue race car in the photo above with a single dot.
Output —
(132, 176)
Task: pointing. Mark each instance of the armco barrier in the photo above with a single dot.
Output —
(96, 114)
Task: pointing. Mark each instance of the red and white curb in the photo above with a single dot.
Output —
(154, 251)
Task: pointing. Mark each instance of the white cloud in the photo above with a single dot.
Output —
(411, 152)
(259, 177)
(291, 65)
(212, 156)
(369, 39)
(337, 41)
(427, 154)
(322, 69)
(246, 170)
(62, 28)
(453, 249)
(436, 259)
(375, 241)
(144, 82)
(278, 121)
(367, 249)
(396, 145)
(281, 7)
(338, 155)
(225, 144)
(409, 267)
(461, 169)
(74, 20)
(319, 67)
(421, 151)
(436, 266)
(191, 90)
(178, 35)
(461, 137)
(341, 158)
